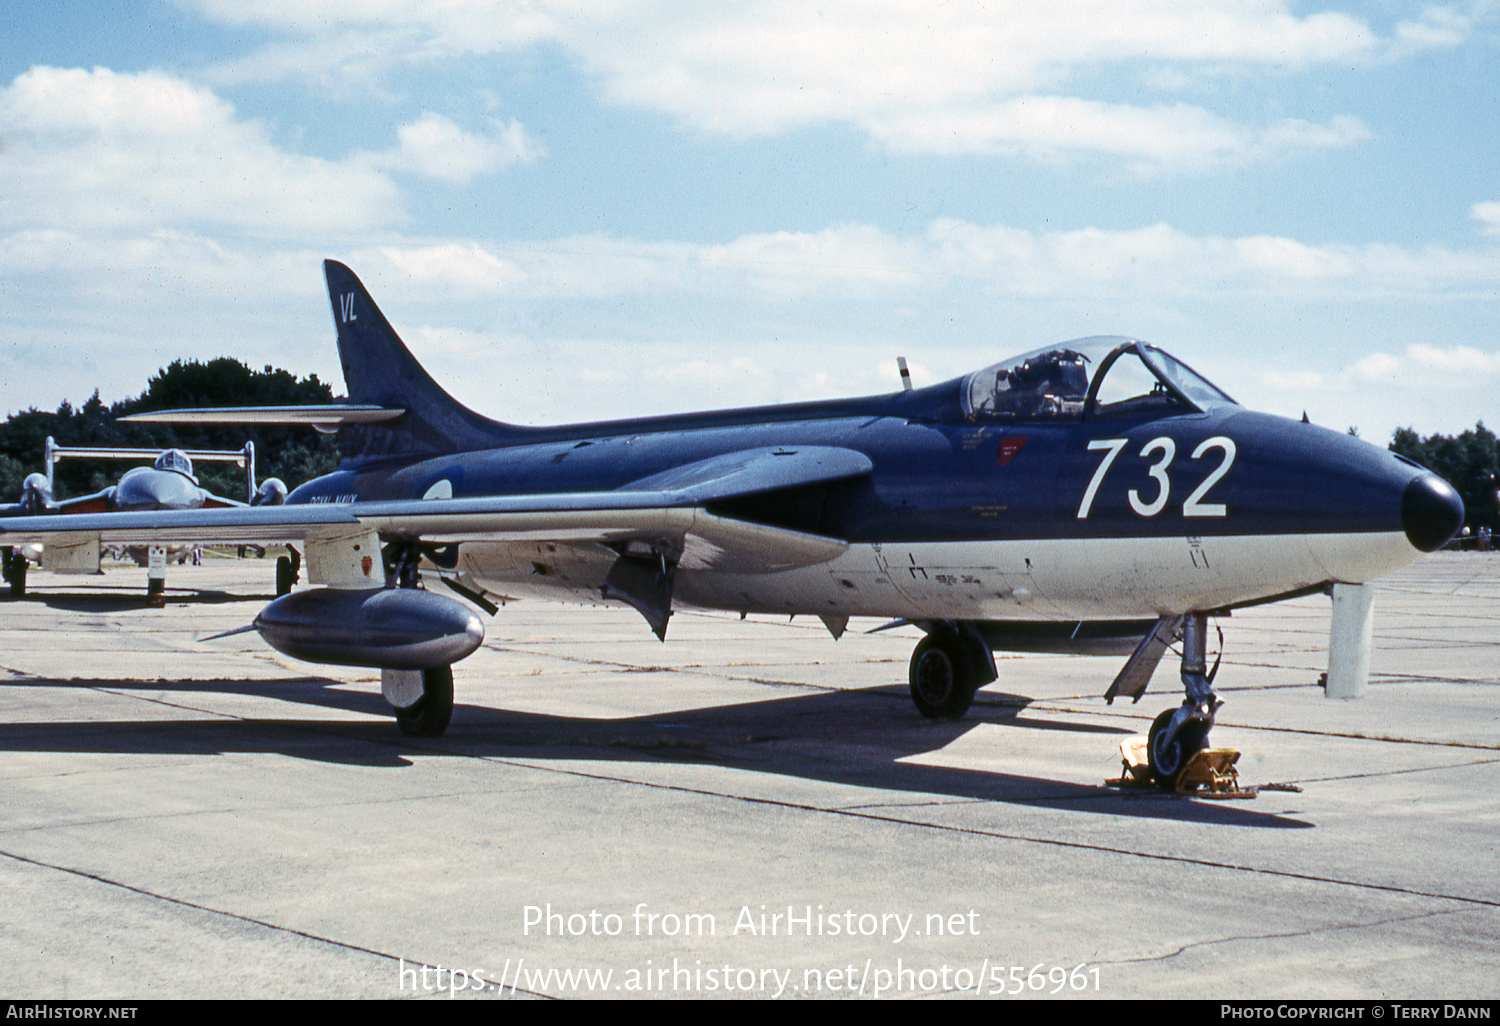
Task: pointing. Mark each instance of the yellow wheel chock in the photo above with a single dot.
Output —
(1211, 770)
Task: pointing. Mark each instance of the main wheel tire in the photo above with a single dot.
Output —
(942, 686)
(286, 577)
(429, 715)
(15, 573)
(1169, 760)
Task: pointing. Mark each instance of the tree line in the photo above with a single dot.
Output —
(1469, 461)
(294, 454)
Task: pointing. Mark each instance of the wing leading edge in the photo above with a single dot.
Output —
(665, 505)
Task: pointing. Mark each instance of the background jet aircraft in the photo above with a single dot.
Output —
(168, 483)
(1096, 487)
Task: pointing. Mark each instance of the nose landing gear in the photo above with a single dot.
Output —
(1177, 735)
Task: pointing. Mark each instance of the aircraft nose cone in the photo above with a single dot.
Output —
(144, 488)
(1431, 512)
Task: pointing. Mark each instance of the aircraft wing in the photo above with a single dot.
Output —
(669, 504)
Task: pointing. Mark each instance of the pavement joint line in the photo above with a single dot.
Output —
(236, 810)
(1241, 938)
(999, 835)
(1231, 725)
(183, 902)
(1399, 772)
(914, 804)
(216, 715)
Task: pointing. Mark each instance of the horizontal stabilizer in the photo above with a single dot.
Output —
(327, 418)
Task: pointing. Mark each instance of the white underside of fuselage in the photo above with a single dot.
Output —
(1059, 579)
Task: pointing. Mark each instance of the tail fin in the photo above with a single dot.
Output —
(379, 369)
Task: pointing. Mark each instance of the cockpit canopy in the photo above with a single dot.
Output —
(176, 459)
(1093, 376)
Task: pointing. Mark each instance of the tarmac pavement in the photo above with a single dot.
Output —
(749, 809)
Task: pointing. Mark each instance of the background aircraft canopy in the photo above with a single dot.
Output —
(176, 460)
(1102, 375)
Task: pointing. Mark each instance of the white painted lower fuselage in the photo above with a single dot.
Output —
(1048, 579)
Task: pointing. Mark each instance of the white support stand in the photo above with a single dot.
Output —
(1350, 638)
(156, 575)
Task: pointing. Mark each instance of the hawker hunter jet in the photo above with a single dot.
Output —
(1065, 498)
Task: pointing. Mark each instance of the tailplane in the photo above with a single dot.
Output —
(381, 371)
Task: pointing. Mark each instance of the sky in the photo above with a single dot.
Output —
(583, 210)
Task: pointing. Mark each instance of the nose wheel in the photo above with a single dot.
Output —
(1177, 735)
(1171, 746)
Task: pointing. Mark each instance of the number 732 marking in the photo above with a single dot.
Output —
(1164, 449)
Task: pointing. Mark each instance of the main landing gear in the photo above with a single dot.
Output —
(948, 666)
(288, 569)
(14, 571)
(422, 699)
(1179, 734)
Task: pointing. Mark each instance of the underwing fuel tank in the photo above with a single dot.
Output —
(389, 628)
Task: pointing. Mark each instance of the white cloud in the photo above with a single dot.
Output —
(756, 68)
(842, 263)
(1457, 367)
(863, 262)
(457, 267)
(435, 147)
(1181, 136)
(954, 78)
(1280, 322)
(102, 149)
(1162, 261)
(1488, 215)
(1455, 360)
(847, 259)
(1295, 381)
(1378, 367)
(1437, 27)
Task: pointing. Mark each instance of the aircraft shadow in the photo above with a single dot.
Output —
(859, 738)
(133, 598)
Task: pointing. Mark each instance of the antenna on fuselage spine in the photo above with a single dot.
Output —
(905, 374)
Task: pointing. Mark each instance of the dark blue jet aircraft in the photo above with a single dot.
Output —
(1068, 497)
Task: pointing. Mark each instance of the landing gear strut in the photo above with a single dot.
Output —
(423, 699)
(287, 571)
(948, 666)
(1179, 734)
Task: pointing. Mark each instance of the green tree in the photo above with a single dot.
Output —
(293, 454)
(1470, 462)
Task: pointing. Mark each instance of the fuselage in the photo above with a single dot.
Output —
(1125, 513)
(147, 488)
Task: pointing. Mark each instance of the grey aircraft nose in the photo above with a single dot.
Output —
(145, 488)
(1431, 512)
